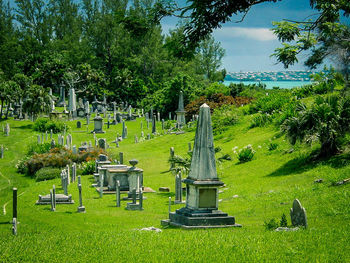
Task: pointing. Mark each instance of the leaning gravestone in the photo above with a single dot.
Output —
(298, 214)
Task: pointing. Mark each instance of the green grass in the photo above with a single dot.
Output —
(266, 188)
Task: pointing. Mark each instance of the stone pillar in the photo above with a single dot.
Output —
(154, 128)
(121, 158)
(117, 192)
(81, 208)
(180, 113)
(172, 154)
(101, 184)
(51, 201)
(54, 196)
(2, 152)
(14, 203)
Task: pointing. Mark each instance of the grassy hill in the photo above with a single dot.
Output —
(266, 188)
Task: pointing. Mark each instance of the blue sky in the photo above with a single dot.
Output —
(250, 43)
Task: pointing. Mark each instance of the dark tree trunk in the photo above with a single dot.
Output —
(2, 106)
(7, 111)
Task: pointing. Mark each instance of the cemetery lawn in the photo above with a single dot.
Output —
(264, 188)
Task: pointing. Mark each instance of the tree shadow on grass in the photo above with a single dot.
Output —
(28, 126)
(307, 162)
(297, 165)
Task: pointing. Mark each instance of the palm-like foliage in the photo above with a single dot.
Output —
(326, 121)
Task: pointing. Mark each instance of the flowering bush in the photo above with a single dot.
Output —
(223, 117)
(88, 167)
(56, 157)
(245, 154)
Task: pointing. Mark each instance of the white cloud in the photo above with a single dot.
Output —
(259, 34)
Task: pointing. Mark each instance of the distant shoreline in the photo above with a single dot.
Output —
(285, 84)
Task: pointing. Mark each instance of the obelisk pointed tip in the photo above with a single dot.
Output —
(204, 105)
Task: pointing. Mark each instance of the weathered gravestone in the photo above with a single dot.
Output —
(102, 143)
(202, 184)
(98, 125)
(78, 124)
(298, 214)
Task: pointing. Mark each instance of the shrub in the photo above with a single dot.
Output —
(217, 88)
(283, 222)
(45, 124)
(272, 146)
(223, 117)
(326, 121)
(21, 165)
(271, 225)
(47, 173)
(215, 101)
(169, 124)
(246, 154)
(88, 167)
(273, 101)
(38, 148)
(261, 120)
(58, 157)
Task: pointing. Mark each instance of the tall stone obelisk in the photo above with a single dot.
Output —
(180, 112)
(202, 183)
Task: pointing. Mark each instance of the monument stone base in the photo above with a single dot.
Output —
(81, 209)
(132, 206)
(60, 199)
(189, 219)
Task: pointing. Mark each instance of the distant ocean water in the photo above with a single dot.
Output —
(271, 84)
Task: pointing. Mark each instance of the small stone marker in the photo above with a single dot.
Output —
(81, 208)
(39, 140)
(51, 133)
(148, 136)
(117, 193)
(178, 188)
(154, 128)
(298, 214)
(14, 226)
(74, 149)
(51, 199)
(121, 158)
(53, 144)
(169, 205)
(164, 189)
(189, 147)
(102, 143)
(54, 196)
(162, 124)
(78, 124)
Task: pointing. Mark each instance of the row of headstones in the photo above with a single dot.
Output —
(67, 177)
(129, 206)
